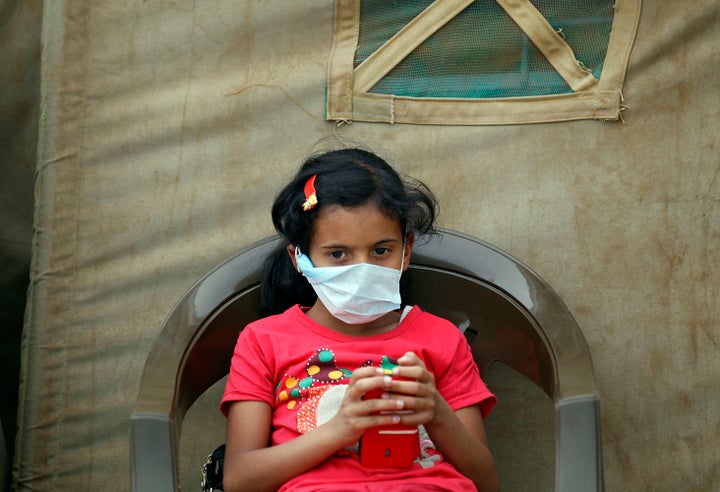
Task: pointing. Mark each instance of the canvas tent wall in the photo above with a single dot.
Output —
(167, 127)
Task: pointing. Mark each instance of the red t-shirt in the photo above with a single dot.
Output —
(301, 369)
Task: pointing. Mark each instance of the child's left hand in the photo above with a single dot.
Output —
(458, 435)
(417, 389)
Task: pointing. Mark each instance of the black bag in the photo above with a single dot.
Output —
(212, 471)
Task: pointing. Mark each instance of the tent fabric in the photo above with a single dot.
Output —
(459, 62)
(167, 128)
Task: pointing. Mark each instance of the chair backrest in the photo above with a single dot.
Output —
(507, 312)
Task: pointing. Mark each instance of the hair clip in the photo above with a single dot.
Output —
(310, 194)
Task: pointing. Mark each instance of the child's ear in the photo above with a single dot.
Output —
(291, 252)
(409, 243)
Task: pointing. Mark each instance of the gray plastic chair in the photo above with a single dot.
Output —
(506, 310)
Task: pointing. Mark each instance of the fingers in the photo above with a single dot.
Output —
(369, 391)
(410, 367)
(409, 359)
(416, 386)
(368, 403)
(365, 380)
(410, 389)
(375, 398)
(413, 368)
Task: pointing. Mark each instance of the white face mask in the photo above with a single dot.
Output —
(354, 294)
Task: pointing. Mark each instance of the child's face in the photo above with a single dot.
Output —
(345, 236)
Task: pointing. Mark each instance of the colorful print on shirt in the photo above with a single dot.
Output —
(316, 395)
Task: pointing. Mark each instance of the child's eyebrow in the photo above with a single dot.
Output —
(333, 246)
(388, 240)
(377, 243)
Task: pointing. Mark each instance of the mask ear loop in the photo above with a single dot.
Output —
(298, 253)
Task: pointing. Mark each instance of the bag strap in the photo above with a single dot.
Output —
(212, 471)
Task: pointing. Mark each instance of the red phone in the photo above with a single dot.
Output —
(389, 446)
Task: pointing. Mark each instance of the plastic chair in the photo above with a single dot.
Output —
(506, 310)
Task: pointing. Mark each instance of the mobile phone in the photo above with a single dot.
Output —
(389, 446)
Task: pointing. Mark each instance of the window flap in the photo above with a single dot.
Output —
(464, 62)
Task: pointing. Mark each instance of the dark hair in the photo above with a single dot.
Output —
(349, 178)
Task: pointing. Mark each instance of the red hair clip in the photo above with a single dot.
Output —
(310, 194)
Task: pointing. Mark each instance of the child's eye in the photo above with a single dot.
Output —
(336, 255)
(381, 251)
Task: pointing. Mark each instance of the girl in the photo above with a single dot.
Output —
(298, 398)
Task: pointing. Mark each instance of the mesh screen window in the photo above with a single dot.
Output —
(479, 62)
(482, 53)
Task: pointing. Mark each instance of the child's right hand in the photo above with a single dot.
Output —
(357, 414)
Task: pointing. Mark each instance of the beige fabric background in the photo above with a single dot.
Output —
(149, 173)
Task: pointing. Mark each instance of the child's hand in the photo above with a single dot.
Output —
(357, 414)
(417, 391)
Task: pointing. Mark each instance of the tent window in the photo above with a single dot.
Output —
(482, 53)
(455, 61)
